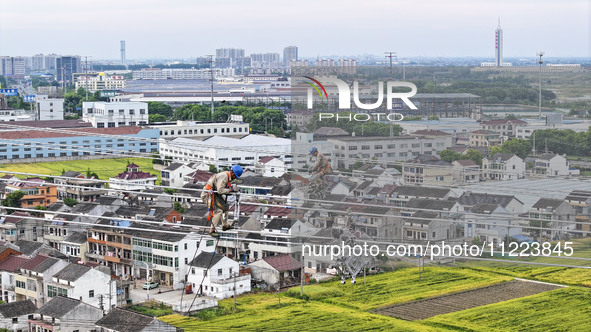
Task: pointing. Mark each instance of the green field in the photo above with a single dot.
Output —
(333, 306)
(105, 168)
(566, 309)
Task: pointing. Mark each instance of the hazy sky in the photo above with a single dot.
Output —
(189, 28)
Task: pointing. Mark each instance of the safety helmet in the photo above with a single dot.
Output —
(312, 150)
(237, 169)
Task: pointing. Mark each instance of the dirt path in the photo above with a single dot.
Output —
(423, 309)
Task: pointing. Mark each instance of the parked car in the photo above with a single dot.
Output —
(150, 285)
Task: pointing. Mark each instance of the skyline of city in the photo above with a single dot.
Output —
(184, 30)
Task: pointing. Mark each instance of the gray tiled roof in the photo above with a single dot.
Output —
(76, 238)
(471, 199)
(18, 308)
(280, 223)
(125, 320)
(543, 203)
(430, 204)
(58, 306)
(420, 191)
(206, 259)
(28, 247)
(72, 272)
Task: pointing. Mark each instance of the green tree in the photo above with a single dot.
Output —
(157, 118)
(474, 155)
(158, 108)
(213, 169)
(170, 191)
(70, 202)
(13, 200)
(449, 155)
(518, 146)
(179, 207)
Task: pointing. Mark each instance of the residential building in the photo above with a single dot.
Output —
(503, 166)
(181, 73)
(65, 314)
(115, 114)
(490, 222)
(36, 145)
(299, 118)
(14, 316)
(427, 170)
(581, 201)
(213, 274)
(38, 192)
(505, 127)
(466, 171)
(279, 270)
(174, 174)
(75, 245)
(548, 164)
(92, 286)
(428, 219)
(402, 194)
(133, 179)
(8, 269)
(555, 211)
(121, 320)
(19, 226)
(383, 149)
(193, 129)
(100, 82)
(78, 186)
(509, 202)
(111, 247)
(290, 53)
(270, 167)
(13, 67)
(35, 274)
(484, 137)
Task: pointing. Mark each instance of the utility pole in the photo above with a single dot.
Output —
(390, 55)
(211, 70)
(101, 305)
(302, 278)
(540, 54)
(235, 273)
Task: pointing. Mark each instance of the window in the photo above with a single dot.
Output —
(391, 146)
(20, 284)
(219, 272)
(365, 147)
(352, 148)
(378, 147)
(91, 293)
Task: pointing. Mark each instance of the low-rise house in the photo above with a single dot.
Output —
(38, 192)
(402, 194)
(503, 166)
(75, 245)
(427, 170)
(8, 269)
(34, 276)
(504, 127)
(270, 167)
(509, 202)
(199, 177)
(78, 186)
(213, 274)
(91, 285)
(278, 237)
(552, 165)
(18, 226)
(484, 138)
(555, 211)
(15, 316)
(580, 200)
(174, 174)
(65, 314)
(121, 320)
(279, 270)
(427, 219)
(133, 179)
(490, 222)
(465, 171)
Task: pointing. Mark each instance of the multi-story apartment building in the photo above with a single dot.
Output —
(79, 187)
(485, 137)
(506, 127)
(350, 149)
(427, 170)
(549, 164)
(115, 114)
(100, 82)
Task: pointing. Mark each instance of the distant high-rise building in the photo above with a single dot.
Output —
(123, 53)
(290, 53)
(499, 45)
(12, 67)
(66, 66)
(232, 53)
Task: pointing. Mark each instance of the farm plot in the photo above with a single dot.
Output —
(423, 309)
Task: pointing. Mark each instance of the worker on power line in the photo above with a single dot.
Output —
(218, 185)
(320, 168)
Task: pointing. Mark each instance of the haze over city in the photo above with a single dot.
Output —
(154, 29)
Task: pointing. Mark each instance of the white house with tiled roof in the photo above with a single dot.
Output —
(549, 164)
(224, 274)
(133, 179)
(270, 166)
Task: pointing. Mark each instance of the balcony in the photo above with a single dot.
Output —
(225, 281)
(95, 255)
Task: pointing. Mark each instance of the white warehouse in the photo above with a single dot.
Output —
(223, 150)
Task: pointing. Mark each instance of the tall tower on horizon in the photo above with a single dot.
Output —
(123, 53)
(499, 45)
(290, 53)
